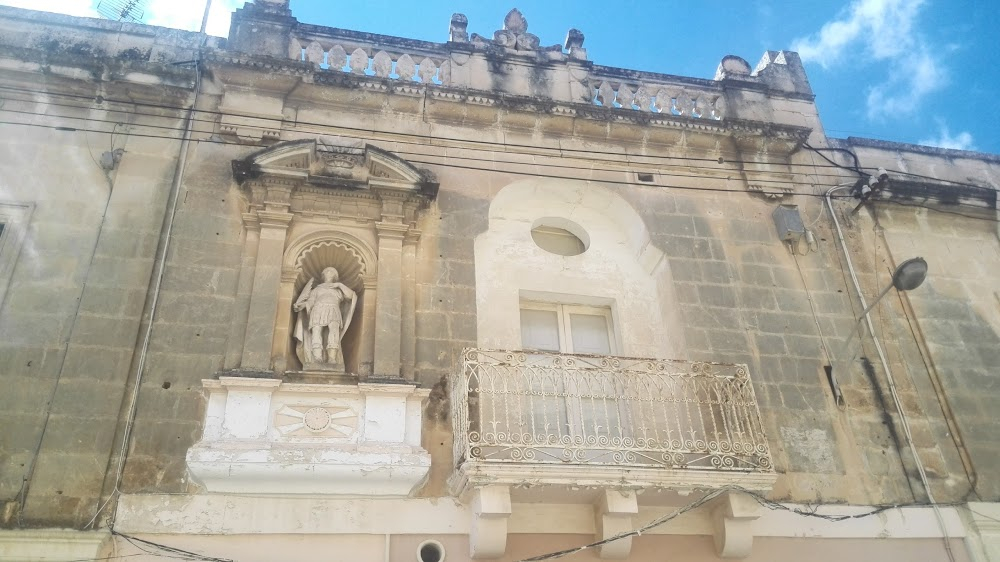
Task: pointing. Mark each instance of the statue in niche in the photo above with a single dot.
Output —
(327, 307)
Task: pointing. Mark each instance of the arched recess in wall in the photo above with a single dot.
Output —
(620, 268)
(355, 261)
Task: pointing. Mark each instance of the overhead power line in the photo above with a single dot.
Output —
(467, 144)
(761, 499)
(445, 164)
(467, 158)
(422, 139)
(449, 163)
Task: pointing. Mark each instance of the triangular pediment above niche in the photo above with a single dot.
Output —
(337, 163)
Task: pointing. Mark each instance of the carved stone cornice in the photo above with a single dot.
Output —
(289, 274)
(412, 236)
(391, 230)
(250, 221)
(274, 219)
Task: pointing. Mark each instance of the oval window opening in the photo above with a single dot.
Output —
(559, 236)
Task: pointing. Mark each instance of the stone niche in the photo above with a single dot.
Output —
(317, 396)
(328, 203)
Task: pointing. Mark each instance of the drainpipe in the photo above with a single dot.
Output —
(888, 374)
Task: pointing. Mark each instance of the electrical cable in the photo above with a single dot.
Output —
(606, 181)
(140, 367)
(759, 498)
(22, 494)
(939, 209)
(425, 139)
(888, 375)
(493, 160)
(169, 550)
(819, 151)
(436, 141)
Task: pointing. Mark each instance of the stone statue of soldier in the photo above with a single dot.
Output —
(323, 315)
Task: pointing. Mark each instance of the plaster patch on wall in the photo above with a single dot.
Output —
(809, 450)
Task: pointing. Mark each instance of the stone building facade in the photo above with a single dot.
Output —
(574, 301)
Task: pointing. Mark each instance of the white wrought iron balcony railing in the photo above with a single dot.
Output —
(538, 408)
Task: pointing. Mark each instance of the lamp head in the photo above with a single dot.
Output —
(910, 274)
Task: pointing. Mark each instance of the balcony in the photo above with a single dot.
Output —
(581, 421)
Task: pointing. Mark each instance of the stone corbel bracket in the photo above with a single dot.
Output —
(733, 514)
(491, 508)
(614, 515)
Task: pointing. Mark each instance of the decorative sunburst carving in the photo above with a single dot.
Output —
(328, 421)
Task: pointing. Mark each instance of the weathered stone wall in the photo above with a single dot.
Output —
(72, 323)
(950, 338)
(192, 322)
(70, 320)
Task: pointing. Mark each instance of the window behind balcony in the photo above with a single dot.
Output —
(558, 401)
(566, 328)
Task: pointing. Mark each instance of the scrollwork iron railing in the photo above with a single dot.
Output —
(539, 407)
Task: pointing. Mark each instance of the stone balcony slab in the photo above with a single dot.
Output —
(265, 436)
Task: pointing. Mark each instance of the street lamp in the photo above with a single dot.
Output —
(908, 276)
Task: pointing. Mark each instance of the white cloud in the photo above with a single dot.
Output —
(187, 14)
(880, 31)
(82, 8)
(910, 79)
(883, 27)
(961, 141)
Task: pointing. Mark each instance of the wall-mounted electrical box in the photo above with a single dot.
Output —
(788, 222)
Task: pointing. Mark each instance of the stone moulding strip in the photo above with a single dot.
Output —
(204, 514)
(588, 111)
(472, 474)
(52, 544)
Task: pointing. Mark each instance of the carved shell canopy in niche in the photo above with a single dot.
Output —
(331, 253)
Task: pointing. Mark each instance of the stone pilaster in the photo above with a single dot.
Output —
(408, 317)
(366, 353)
(241, 308)
(274, 220)
(388, 305)
(280, 348)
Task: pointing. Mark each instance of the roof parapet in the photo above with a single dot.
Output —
(513, 61)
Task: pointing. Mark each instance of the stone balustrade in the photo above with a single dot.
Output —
(654, 96)
(464, 62)
(349, 55)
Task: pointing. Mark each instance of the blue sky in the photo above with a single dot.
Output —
(916, 71)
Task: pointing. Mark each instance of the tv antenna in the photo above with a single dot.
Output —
(130, 11)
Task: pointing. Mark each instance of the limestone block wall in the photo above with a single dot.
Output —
(72, 313)
(192, 324)
(951, 337)
(742, 296)
(74, 316)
